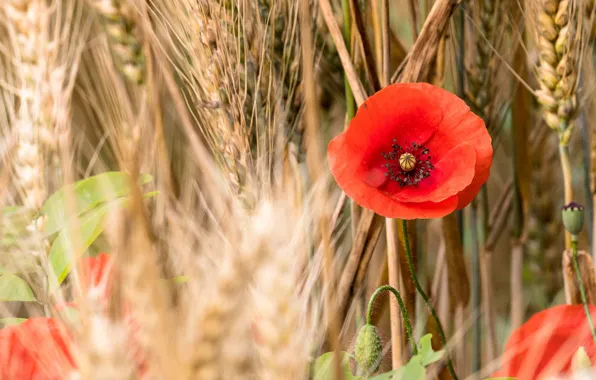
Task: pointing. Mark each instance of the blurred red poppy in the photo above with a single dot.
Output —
(37, 349)
(97, 270)
(412, 151)
(546, 343)
(40, 348)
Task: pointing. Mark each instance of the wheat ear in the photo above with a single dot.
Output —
(119, 21)
(558, 76)
(478, 91)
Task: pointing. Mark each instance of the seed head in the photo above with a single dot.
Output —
(368, 348)
(573, 218)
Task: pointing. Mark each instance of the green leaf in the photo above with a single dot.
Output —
(323, 368)
(89, 193)
(415, 369)
(14, 288)
(90, 227)
(5, 322)
(426, 352)
(391, 375)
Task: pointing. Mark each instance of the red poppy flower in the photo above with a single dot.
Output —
(37, 349)
(95, 277)
(97, 271)
(546, 343)
(412, 151)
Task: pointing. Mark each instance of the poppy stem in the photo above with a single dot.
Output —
(402, 306)
(582, 290)
(430, 306)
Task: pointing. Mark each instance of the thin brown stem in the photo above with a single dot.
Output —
(376, 26)
(412, 5)
(344, 54)
(425, 48)
(487, 305)
(393, 266)
(517, 299)
(386, 56)
(368, 56)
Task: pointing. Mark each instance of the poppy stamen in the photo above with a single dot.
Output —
(407, 162)
(407, 166)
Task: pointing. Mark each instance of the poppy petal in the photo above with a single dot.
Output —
(400, 111)
(453, 173)
(460, 125)
(344, 169)
(546, 343)
(38, 348)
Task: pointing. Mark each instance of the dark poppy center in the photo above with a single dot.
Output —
(407, 165)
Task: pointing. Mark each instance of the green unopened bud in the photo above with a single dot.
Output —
(573, 218)
(580, 360)
(368, 349)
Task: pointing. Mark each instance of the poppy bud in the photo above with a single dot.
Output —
(573, 218)
(581, 360)
(368, 348)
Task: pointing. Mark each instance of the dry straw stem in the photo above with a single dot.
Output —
(346, 281)
(517, 289)
(572, 294)
(344, 55)
(367, 56)
(394, 312)
(425, 48)
(458, 283)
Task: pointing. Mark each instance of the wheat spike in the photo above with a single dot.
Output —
(558, 71)
(279, 325)
(479, 72)
(223, 347)
(227, 137)
(28, 22)
(119, 21)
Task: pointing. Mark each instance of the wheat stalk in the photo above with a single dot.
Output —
(558, 72)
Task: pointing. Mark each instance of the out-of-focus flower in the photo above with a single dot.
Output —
(546, 344)
(37, 349)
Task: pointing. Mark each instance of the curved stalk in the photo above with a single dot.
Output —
(402, 306)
